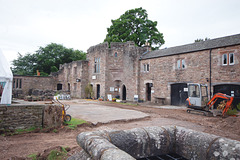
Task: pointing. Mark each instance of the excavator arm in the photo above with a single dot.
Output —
(222, 96)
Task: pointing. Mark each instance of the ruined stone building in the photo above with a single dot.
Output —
(125, 71)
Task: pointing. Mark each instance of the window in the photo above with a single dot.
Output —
(115, 54)
(96, 65)
(224, 59)
(178, 64)
(228, 59)
(183, 63)
(17, 83)
(20, 83)
(146, 67)
(231, 58)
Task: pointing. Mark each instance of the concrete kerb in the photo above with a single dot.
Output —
(151, 141)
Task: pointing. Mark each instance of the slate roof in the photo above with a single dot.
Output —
(193, 47)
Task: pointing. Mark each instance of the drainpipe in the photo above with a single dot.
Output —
(210, 74)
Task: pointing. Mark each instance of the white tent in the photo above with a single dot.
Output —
(6, 78)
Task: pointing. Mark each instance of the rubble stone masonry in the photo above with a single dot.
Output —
(164, 71)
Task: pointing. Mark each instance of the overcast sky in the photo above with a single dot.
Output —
(25, 25)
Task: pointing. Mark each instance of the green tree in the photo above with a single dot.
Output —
(201, 40)
(24, 65)
(135, 26)
(46, 59)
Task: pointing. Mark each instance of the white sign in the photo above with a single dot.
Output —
(109, 97)
(135, 97)
(185, 89)
(232, 93)
(94, 77)
(152, 91)
(111, 89)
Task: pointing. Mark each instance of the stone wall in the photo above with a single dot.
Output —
(26, 116)
(119, 67)
(73, 77)
(24, 85)
(164, 71)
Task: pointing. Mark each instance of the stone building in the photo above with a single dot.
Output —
(114, 70)
(213, 62)
(124, 70)
(72, 78)
(25, 85)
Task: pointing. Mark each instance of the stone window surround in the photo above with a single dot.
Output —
(17, 83)
(146, 67)
(181, 63)
(97, 65)
(226, 59)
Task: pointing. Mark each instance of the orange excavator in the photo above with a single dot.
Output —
(197, 100)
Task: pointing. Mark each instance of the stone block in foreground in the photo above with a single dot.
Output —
(151, 141)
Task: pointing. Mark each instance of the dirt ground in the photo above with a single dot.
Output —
(39, 143)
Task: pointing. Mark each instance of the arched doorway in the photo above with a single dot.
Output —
(124, 93)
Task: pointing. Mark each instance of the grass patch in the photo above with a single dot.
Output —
(57, 155)
(32, 156)
(74, 123)
(232, 112)
(128, 104)
(20, 131)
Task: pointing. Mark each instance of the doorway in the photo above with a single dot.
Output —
(59, 86)
(228, 89)
(69, 87)
(148, 91)
(178, 95)
(98, 91)
(124, 93)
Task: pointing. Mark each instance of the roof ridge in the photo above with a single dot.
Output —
(193, 47)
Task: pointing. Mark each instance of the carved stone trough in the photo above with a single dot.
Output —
(152, 141)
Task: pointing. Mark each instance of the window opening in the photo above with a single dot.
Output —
(20, 83)
(178, 64)
(97, 65)
(17, 84)
(13, 83)
(115, 54)
(183, 63)
(147, 67)
(231, 58)
(224, 59)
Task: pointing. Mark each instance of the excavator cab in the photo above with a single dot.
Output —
(197, 96)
